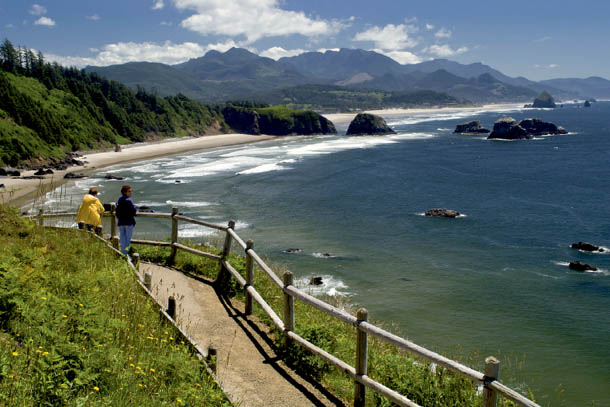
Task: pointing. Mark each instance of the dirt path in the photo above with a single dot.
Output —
(247, 365)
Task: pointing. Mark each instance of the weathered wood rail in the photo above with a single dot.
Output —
(489, 378)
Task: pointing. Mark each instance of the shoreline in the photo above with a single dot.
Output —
(342, 118)
(18, 191)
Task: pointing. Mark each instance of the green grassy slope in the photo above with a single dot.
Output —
(77, 330)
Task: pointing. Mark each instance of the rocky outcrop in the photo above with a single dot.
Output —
(73, 175)
(242, 120)
(145, 209)
(544, 100)
(537, 127)
(587, 103)
(292, 250)
(316, 281)
(442, 213)
(578, 266)
(473, 126)
(9, 172)
(586, 247)
(114, 177)
(507, 128)
(365, 123)
(44, 171)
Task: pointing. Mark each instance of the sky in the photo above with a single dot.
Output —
(536, 39)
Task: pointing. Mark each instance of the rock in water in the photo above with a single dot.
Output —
(114, 177)
(72, 175)
(544, 100)
(316, 281)
(578, 266)
(586, 247)
(365, 123)
(145, 209)
(443, 213)
(473, 126)
(537, 127)
(292, 250)
(587, 103)
(508, 129)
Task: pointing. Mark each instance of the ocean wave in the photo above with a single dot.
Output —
(324, 255)
(191, 204)
(190, 230)
(264, 168)
(561, 263)
(330, 286)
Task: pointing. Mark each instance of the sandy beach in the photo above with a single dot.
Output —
(17, 191)
(340, 118)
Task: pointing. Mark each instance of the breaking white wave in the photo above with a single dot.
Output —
(561, 263)
(324, 255)
(189, 204)
(189, 230)
(330, 286)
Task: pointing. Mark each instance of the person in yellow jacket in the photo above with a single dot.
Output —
(90, 212)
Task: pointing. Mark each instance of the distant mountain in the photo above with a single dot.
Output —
(239, 74)
(343, 64)
(593, 87)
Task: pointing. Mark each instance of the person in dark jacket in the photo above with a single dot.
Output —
(125, 213)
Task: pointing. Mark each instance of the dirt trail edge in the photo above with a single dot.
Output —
(247, 365)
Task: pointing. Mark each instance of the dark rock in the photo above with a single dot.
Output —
(473, 126)
(178, 181)
(117, 148)
(3, 172)
(145, 209)
(243, 120)
(9, 172)
(587, 247)
(1, 185)
(544, 100)
(292, 251)
(508, 129)
(316, 281)
(528, 106)
(73, 175)
(116, 177)
(365, 123)
(578, 266)
(43, 171)
(587, 103)
(443, 213)
(537, 127)
(33, 177)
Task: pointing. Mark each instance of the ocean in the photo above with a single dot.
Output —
(494, 281)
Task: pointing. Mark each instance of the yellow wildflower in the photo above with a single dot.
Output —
(80, 305)
(45, 353)
(132, 365)
(43, 298)
(64, 316)
(96, 388)
(140, 385)
(15, 354)
(152, 370)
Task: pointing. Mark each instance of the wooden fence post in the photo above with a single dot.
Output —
(171, 307)
(288, 305)
(362, 351)
(113, 235)
(491, 372)
(135, 259)
(226, 250)
(249, 276)
(172, 256)
(40, 217)
(148, 280)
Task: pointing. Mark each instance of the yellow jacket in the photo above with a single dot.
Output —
(90, 211)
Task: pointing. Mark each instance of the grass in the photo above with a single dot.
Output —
(77, 330)
(416, 379)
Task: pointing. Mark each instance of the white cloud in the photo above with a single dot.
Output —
(45, 21)
(38, 10)
(122, 52)
(253, 19)
(279, 52)
(553, 66)
(443, 33)
(323, 50)
(94, 17)
(403, 57)
(429, 27)
(94, 50)
(444, 50)
(390, 37)
(158, 5)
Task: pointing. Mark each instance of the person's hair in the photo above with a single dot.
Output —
(125, 188)
(93, 191)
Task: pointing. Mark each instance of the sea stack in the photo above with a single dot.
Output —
(544, 100)
(365, 123)
(473, 126)
(507, 128)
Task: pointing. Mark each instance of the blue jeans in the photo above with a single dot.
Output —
(125, 233)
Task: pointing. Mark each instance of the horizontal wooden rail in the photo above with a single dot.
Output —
(150, 243)
(201, 223)
(266, 307)
(321, 305)
(266, 269)
(349, 370)
(197, 252)
(52, 215)
(234, 273)
(421, 351)
(511, 394)
(237, 238)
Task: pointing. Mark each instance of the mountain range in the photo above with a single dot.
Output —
(239, 74)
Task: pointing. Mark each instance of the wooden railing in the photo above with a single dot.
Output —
(489, 378)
